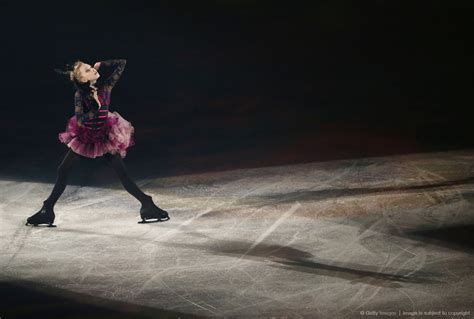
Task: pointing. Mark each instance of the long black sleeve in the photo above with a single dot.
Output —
(119, 67)
(78, 107)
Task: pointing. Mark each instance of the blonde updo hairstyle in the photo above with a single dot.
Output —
(74, 74)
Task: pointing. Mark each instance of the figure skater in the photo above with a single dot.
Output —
(93, 132)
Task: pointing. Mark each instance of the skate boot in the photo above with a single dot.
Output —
(150, 211)
(44, 216)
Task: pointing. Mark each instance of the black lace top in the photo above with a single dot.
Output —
(86, 108)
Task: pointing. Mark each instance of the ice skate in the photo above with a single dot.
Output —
(150, 211)
(44, 216)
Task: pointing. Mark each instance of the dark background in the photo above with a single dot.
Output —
(225, 84)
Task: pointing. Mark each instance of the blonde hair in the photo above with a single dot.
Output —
(74, 74)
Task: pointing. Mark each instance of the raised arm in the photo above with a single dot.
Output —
(118, 65)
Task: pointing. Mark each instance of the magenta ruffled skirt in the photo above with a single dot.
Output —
(115, 136)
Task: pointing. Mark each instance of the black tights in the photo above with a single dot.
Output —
(115, 161)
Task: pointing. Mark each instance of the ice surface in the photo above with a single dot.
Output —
(323, 239)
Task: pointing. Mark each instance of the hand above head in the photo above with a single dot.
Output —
(97, 65)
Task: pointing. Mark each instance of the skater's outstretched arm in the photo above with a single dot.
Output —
(119, 67)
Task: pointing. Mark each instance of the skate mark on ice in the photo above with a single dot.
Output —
(270, 229)
(206, 211)
(188, 300)
(14, 236)
(242, 220)
(326, 194)
(277, 198)
(363, 288)
(280, 300)
(21, 244)
(408, 296)
(175, 268)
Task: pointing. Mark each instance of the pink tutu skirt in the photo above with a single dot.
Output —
(115, 136)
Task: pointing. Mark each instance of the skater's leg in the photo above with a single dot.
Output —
(148, 210)
(63, 171)
(46, 214)
(116, 162)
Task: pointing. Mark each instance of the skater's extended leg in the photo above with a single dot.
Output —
(148, 210)
(46, 213)
(63, 171)
(116, 162)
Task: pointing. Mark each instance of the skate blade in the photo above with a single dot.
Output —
(155, 220)
(40, 225)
